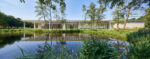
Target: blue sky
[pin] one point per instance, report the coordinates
(26, 11)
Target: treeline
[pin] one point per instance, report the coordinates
(7, 21)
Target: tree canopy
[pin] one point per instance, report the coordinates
(147, 18)
(10, 21)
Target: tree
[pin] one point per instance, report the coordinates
(100, 13)
(44, 9)
(50, 6)
(22, 1)
(8, 21)
(128, 5)
(117, 15)
(147, 18)
(3, 24)
(62, 8)
(91, 12)
(84, 11)
(41, 10)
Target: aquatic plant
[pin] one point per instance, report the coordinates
(49, 52)
(94, 48)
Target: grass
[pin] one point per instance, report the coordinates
(39, 30)
(118, 34)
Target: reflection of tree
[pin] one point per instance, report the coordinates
(63, 42)
(6, 39)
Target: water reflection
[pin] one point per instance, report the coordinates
(58, 37)
(32, 42)
(8, 39)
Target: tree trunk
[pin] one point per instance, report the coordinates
(50, 18)
(56, 18)
(118, 21)
(44, 16)
(124, 27)
(118, 26)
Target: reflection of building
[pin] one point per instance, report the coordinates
(73, 24)
(58, 37)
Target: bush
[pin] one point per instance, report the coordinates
(139, 44)
(140, 49)
(94, 48)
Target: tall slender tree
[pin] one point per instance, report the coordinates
(62, 8)
(128, 5)
(41, 11)
(50, 7)
(91, 12)
(84, 11)
(100, 13)
(118, 15)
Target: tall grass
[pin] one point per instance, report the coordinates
(48, 52)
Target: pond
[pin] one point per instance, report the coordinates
(11, 43)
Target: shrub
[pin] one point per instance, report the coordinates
(139, 44)
(94, 48)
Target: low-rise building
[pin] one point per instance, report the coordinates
(131, 25)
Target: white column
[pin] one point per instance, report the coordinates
(110, 26)
(34, 24)
(64, 26)
(49, 25)
(79, 26)
(24, 25)
(24, 35)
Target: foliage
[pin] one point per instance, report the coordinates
(135, 36)
(147, 18)
(94, 48)
(128, 6)
(91, 11)
(100, 13)
(140, 49)
(95, 14)
(118, 34)
(84, 11)
(44, 9)
(48, 52)
(39, 31)
(139, 44)
(7, 21)
(118, 15)
(3, 23)
(41, 10)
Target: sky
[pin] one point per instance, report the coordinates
(26, 11)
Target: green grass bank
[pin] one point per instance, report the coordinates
(118, 34)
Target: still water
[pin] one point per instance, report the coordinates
(10, 43)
